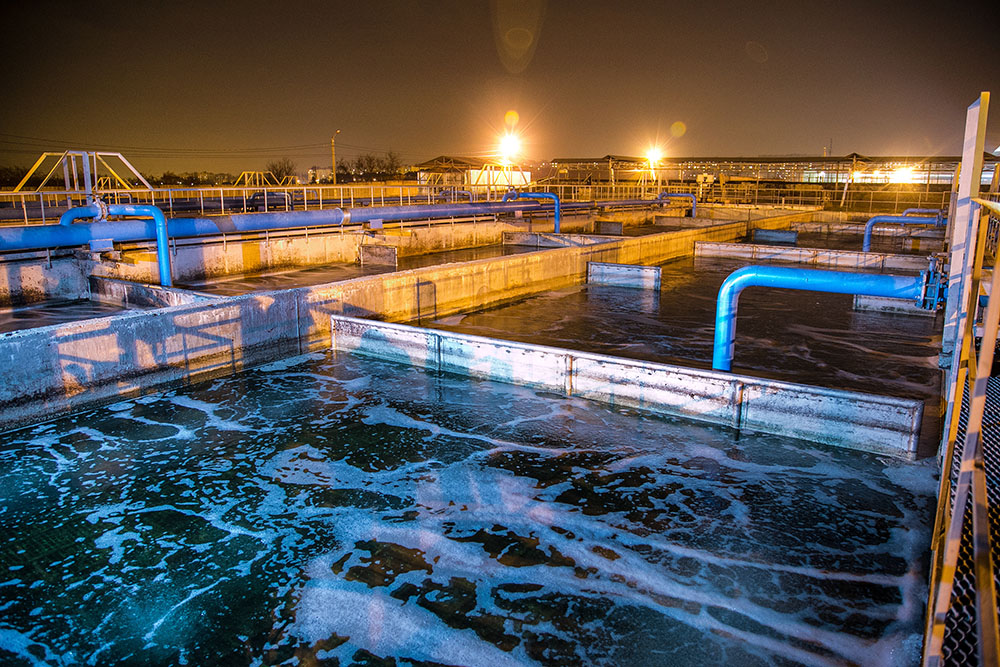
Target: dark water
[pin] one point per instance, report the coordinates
(333, 511)
(808, 337)
(329, 273)
(53, 312)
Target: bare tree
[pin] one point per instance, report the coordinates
(282, 169)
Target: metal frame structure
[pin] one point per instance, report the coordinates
(89, 163)
(963, 504)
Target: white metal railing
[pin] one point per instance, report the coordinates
(46, 206)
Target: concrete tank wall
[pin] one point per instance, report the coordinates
(63, 366)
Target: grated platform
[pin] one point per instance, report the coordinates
(960, 641)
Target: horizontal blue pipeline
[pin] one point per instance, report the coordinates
(814, 280)
(866, 245)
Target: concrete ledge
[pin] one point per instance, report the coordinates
(845, 259)
(378, 255)
(829, 416)
(67, 366)
(774, 236)
(543, 240)
(125, 293)
(609, 227)
(623, 275)
(676, 222)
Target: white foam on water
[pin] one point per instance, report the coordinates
(383, 625)
(290, 362)
(209, 410)
(115, 539)
(18, 643)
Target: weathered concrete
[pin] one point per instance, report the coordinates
(833, 417)
(844, 259)
(34, 277)
(787, 236)
(67, 365)
(534, 240)
(676, 222)
(379, 255)
(609, 227)
(623, 275)
(124, 293)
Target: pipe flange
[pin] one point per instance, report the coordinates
(102, 214)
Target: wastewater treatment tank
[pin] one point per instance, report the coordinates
(332, 507)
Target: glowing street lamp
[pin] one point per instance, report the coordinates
(510, 147)
(654, 155)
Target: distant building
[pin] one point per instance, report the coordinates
(922, 170)
(449, 170)
(317, 174)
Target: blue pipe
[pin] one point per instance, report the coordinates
(866, 245)
(686, 195)
(99, 211)
(36, 237)
(814, 280)
(514, 194)
(935, 211)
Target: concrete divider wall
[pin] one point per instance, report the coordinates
(124, 293)
(840, 418)
(624, 275)
(847, 259)
(34, 278)
(63, 366)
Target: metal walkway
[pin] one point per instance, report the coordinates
(962, 615)
(961, 637)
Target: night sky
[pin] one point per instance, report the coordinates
(227, 86)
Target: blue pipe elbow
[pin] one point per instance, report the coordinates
(686, 195)
(514, 194)
(115, 229)
(162, 240)
(866, 245)
(814, 280)
(932, 211)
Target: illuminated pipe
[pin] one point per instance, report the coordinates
(935, 211)
(36, 237)
(39, 237)
(514, 194)
(866, 245)
(101, 211)
(813, 280)
(686, 195)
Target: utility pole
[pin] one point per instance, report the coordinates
(333, 156)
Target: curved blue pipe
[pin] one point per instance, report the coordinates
(134, 210)
(514, 194)
(36, 237)
(814, 280)
(162, 240)
(686, 195)
(934, 211)
(866, 245)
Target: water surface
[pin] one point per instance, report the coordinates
(329, 508)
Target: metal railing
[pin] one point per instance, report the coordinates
(46, 206)
(963, 503)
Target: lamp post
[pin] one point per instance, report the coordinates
(333, 156)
